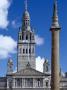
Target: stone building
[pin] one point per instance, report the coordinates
(27, 77)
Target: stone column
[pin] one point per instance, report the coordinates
(13, 82)
(44, 82)
(33, 82)
(24, 83)
(55, 60)
(7, 83)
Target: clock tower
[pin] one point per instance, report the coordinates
(26, 43)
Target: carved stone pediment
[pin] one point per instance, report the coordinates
(29, 72)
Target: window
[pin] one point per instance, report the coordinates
(47, 84)
(18, 82)
(26, 37)
(20, 37)
(29, 82)
(30, 36)
(38, 82)
(23, 51)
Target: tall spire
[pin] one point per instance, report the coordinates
(26, 19)
(26, 5)
(55, 23)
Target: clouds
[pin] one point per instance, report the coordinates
(7, 46)
(15, 24)
(4, 6)
(39, 40)
(39, 63)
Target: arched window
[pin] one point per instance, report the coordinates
(30, 36)
(23, 51)
(23, 34)
(20, 37)
(26, 37)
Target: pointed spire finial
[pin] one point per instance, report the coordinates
(26, 5)
(55, 23)
(55, 9)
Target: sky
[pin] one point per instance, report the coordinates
(11, 12)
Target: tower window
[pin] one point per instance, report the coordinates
(23, 50)
(30, 36)
(26, 37)
(20, 37)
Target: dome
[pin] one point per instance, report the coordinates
(26, 15)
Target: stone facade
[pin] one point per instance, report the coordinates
(30, 79)
(26, 49)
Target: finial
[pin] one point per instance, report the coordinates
(55, 23)
(26, 5)
(55, 9)
(28, 65)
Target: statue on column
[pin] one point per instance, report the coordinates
(9, 66)
(9, 73)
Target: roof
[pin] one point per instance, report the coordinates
(28, 72)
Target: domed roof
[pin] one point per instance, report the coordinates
(26, 15)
